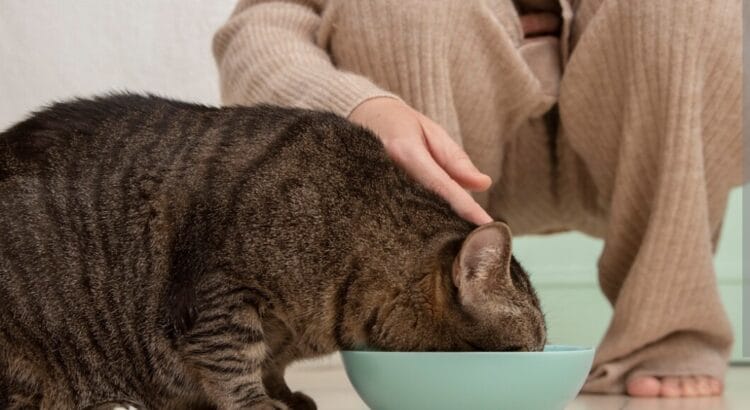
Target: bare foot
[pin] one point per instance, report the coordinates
(674, 386)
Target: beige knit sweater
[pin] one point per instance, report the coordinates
(276, 52)
(648, 145)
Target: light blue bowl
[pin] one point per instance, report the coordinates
(546, 380)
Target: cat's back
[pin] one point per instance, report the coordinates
(79, 220)
(98, 196)
(80, 131)
(76, 168)
(93, 202)
(102, 177)
(98, 187)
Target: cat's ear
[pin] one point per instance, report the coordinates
(483, 261)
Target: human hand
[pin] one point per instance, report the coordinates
(425, 151)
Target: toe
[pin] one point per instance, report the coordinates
(670, 387)
(674, 386)
(702, 386)
(644, 386)
(716, 386)
(689, 386)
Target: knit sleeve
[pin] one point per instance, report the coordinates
(267, 53)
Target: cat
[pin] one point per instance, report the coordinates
(175, 255)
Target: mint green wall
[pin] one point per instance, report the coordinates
(563, 269)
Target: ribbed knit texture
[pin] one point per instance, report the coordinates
(648, 147)
(651, 102)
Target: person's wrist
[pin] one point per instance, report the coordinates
(356, 113)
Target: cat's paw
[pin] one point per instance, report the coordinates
(301, 401)
(269, 405)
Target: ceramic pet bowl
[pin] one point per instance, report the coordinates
(546, 380)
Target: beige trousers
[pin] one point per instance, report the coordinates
(643, 153)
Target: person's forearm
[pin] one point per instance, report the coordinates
(266, 53)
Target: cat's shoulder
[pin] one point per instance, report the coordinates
(328, 128)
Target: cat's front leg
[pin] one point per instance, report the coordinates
(273, 379)
(226, 348)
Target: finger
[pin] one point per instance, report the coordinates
(540, 24)
(420, 165)
(454, 160)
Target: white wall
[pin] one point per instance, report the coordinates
(53, 49)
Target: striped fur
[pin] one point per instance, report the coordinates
(180, 256)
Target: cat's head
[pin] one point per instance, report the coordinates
(475, 296)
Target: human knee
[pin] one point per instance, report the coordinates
(397, 19)
(704, 18)
(654, 33)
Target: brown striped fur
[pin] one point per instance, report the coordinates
(181, 256)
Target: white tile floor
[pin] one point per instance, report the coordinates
(326, 382)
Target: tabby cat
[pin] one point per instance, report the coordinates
(174, 255)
